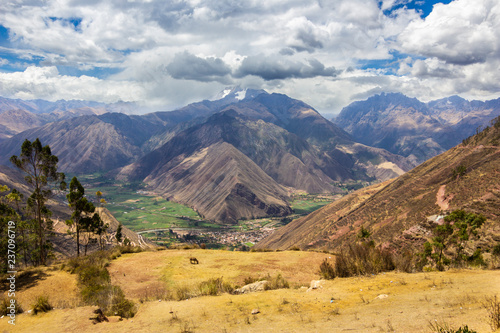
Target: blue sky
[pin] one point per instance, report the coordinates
(165, 54)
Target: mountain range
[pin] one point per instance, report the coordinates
(240, 156)
(17, 115)
(243, 154)
(410, 128)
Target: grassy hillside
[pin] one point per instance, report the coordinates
(391, 302)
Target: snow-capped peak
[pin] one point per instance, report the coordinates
(236, 94)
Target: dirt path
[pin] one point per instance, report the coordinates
(441, 199)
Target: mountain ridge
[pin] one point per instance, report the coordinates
(397, 212)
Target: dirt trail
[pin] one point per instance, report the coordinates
(441, 199)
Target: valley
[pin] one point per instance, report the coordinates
(168, 223)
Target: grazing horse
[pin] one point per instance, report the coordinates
(193, 260)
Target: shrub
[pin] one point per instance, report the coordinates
(496, 250)
(4, 306)
(361, 259)
(41, 305)
(404, 262)
(278, 282)
(476, 259)
(120, 306)
(214, 287)
(95, 285)
(251, 279)
(445, 328)
(326, 270)
(492, 305)
(183, 292)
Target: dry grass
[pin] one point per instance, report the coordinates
(173, 268)
(59, 285)
(455, 298)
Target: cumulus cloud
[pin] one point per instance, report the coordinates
(170, 53)
(190, 67)
(277, 68)
(463, 32)
(47, 83)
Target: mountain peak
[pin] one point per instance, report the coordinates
(238, 94)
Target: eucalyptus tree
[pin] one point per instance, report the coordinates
(40, 168)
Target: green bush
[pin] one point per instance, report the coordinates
(95, 285)
(362, 259)
(41, 305)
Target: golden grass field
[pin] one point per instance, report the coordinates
(409, 302)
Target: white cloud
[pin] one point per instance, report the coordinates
(462, 32)
(47, 83)
(170, 53)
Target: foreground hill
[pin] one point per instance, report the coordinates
(390, 302)
(396, 212)
(408, 127)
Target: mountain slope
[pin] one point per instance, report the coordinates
(87, 144)
(228, 149)
(396, 212)
(408, 127)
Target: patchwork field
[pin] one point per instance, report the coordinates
(390, 302)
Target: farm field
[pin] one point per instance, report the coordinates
(390, 302)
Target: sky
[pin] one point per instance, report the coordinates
(328, 53)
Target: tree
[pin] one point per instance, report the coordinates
(100, 199)
(40, 167)
(81, 218)
(8, 244)
(22, 227)
(119, 234)
(100, 230)
(457, 229)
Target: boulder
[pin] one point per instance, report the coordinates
(252, 287)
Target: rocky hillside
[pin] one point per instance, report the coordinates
(398, 212)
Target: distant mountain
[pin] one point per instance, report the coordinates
(17, 115)
(229, 168)
(408, 127)
(88, 144)
(398, 211)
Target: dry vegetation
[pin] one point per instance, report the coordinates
(386, 302)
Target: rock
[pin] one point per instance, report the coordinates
(315, 284)
(252, 287)
(382, 296)
(255, 311)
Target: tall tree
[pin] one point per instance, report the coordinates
(119, 234)
(81, 218)
(8, 244)
(40, 167)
